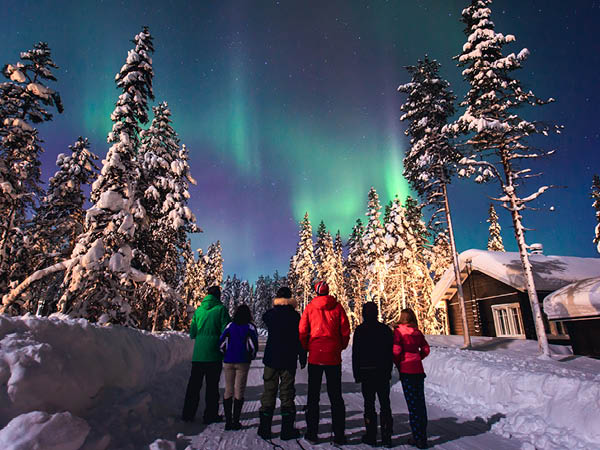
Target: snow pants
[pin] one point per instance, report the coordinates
(376, 385)
(282, 380)
(201, 370)
(333, 375)
(236, 377)
(413, 386)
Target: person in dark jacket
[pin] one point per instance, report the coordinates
(239, 345)
(410, 348)
(372, 364)
(324, 333)
(209, 321)
(281, 356)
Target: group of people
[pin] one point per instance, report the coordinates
(317, 338)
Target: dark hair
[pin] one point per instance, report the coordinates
(242, 315)
(215, 291)
(284, 292)
(369, 311)
(408, 317)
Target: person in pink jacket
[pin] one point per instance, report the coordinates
(410, 347)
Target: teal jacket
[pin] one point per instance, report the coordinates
(209, 321)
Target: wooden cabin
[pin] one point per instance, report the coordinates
(577, 306)
(496, 299)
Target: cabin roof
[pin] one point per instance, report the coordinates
(549, 272)
(579, 299)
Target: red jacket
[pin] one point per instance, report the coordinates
(324, 331)
(410, 347)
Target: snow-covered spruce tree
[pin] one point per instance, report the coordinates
(595, 195)
(25, 99)
(230, 296)
(194, 286)
(161, 243)
(429, 163)
(495, 240)
(303, 264)
(262, 299)
(374, 244)
(213, 265)
(340, 270)
(496, 130)
(356, 274)
(58, 220)
(246, 293)
(99, 281)
(326, 260)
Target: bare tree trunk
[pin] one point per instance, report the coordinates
(461, 296)
(528, 272)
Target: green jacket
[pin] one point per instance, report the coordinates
(209, 321)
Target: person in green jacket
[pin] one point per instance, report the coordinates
(209, 321)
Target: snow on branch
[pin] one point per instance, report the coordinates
(9, 298)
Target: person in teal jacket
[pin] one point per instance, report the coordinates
(209, 321)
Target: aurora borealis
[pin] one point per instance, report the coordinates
(291, 106)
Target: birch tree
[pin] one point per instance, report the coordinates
(497, 131)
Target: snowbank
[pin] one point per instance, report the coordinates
(54, 365)
(551, 404)
(40, 430)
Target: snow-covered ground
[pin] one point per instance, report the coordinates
(67, 384)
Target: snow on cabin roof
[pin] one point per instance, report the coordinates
(549, 272)
(579, 299)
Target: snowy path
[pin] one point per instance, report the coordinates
(446, 431)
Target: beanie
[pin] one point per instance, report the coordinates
(284, 292)
(321, 288)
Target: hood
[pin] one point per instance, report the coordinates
(209, 302)
(327, 302)
(281, 301)
(406, 329)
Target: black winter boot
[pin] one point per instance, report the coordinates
(387, 426)
(237, 411)
(370, 436)
(288, 431)
(264, 428)
(228, 410)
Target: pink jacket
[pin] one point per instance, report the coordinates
(410, 347)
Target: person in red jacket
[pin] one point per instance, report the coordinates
(410, 347)
(324, 332)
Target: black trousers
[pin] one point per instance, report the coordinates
(201, 370)
(373, 385)
(333, 375)
(413, 386)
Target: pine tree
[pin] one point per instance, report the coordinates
(495, 240)
(262, 299)
(497, 131)
(356, 274)
(374, 244)
(163, 190)
(24, 100)
(325, 260)
(596, 197)
(59, 218)
(214, 265)
(429, 163)
(340, 270)
(302, 265)
(195, 283)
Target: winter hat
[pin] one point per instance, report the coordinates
(369, 311)
(284, 292)
(215, 291)
(321, 288)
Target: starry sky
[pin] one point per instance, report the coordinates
(290, 106)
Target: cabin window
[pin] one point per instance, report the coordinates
(508, 320)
